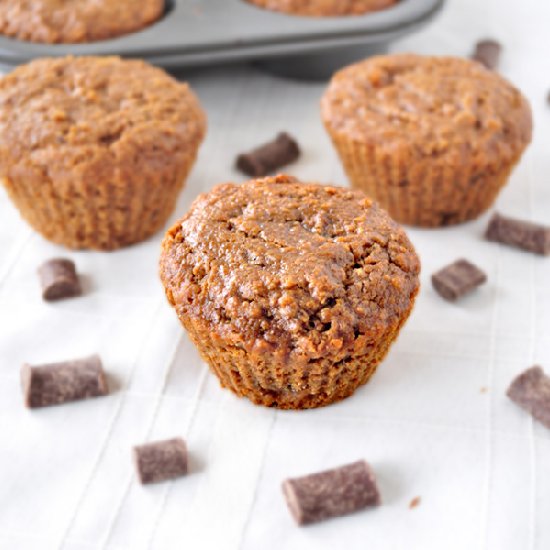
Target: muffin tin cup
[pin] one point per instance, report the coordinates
(320, 66)
(422, 193)
(207, 32)
(82, 216)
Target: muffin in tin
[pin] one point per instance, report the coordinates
(432, 139)
(324, 8)
(72, 21)
(292, 292)
(94, 151)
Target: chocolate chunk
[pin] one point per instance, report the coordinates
(531, 391)
(161, 460)
(59, 279)
(487, 52)
(458, 279)
(520, 234)
(333, 493)
(269, 157)
(57, 383)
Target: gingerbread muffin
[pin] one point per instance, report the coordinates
(324, 8)
(72, 21)
(292, 292)
(432, 139)
(94, 151)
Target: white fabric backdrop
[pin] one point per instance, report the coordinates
(479, 464)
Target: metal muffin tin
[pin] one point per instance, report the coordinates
(207, 32)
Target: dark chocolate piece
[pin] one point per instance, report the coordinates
(59, 279)
(531, 391)
(269, 157)
(57, 383)
(333, 493)
(520, 234)
(161, 460)
(488, 52)
(458, 279)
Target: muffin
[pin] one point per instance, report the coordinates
(432, 139)
(324, 8)
(292, 292)
(94, 151)
(71, 21)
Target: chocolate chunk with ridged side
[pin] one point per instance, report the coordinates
(269, 157)
(487, 52)
(56, 383)
(333, 493)
(160, 460)
(531, 391)
(458, 279)
(59, 279)
(529, 236)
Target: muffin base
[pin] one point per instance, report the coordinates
(424, 193)
(267, 380)
(112, 215)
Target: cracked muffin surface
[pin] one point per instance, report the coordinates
(93, 151)
(292, 292)
(324, 8)
(74, 21)
(439, 105)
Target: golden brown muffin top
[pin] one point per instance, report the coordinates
(277, 261)
(72, 21)
(324, 8)
(64, 112)
(434, 105)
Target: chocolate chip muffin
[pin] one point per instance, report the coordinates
(292, 292)
(72, 21)
(94, 151)
(432, 139)
(324, 8)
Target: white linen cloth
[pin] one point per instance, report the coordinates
(479, 463)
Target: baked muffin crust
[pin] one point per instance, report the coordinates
(324, 8)
(58, 111)
(72, 21)
(433, 106)
(297, 277)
